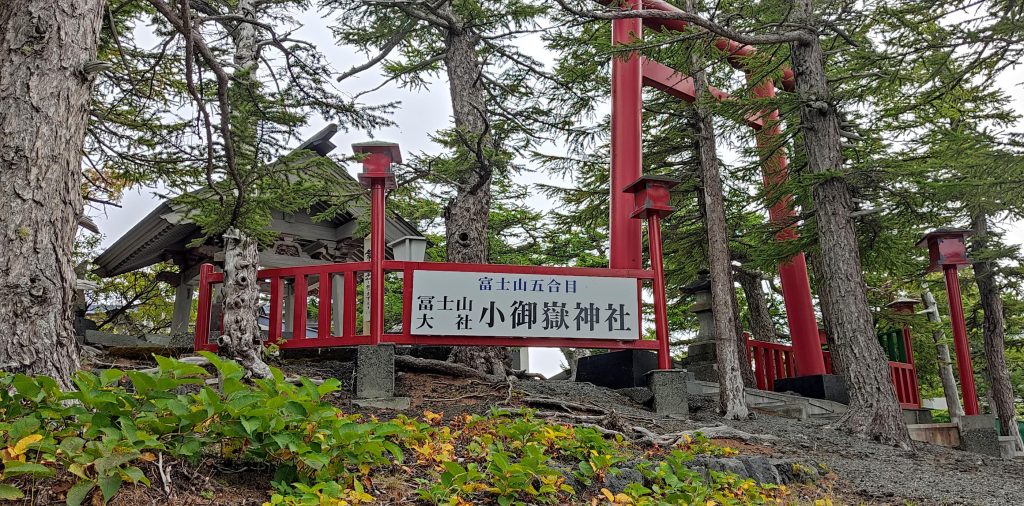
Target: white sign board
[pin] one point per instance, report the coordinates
(524, 305)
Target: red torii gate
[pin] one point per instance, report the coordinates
(629, 75)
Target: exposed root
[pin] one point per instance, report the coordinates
(565, 405)
(427, 365)
(714, 432)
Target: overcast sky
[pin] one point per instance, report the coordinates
(420, 113)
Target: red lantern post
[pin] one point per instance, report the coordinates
(947, 250)
(378, 177)
(652, 200)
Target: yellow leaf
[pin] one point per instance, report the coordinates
(710, 503)
(22, 445)
(148, 457)
(432, 418)
(608, 495)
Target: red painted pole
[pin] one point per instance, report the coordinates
(377, 262)
(660, 307)
(963, 351)
(796, 287)
(624, 232)
(202, 340)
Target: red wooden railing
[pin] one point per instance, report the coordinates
(773, 361)
(300, 277)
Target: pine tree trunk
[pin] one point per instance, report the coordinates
(241, 339)
(746, 368)
(942, 355)
(761, 324)
(466, 214)
(44, 106)
(874, 410)
(241, 290)
(731, 389)
(994, 325)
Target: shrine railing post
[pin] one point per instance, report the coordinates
(947, 251)
(652, 201)
(378, 177)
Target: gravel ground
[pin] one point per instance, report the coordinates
(871, 472)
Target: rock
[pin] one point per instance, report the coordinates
(760, 469)
(728, 465)
(617, 479)
(791, 471)
(639, 395)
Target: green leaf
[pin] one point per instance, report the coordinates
(24, 427)
(79, 492)
(27, 387)
(71, 445)
(109, 485)
(136, 475)
(10, 492)
(15, 468)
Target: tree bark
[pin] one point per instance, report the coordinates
(746, 368)
(942, 354)
(874, 410)
(466, 214)
(241, 290)
(45, 87)
(241, 298)
(730, 378)
(761, 324)
(994, 326)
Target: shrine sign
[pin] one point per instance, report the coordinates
(492, 304)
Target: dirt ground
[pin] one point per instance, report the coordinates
(863, 472)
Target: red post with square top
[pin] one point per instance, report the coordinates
(652, 200)
(947, 250)
(378, 177)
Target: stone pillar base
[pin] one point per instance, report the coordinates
(669, 389)
(978, 435)
(375, 372)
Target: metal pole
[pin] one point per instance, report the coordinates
(377, 262)
(796, 287)
(963, 351)
(660, 309)
(626, 158)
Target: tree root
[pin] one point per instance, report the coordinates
(714, 432)
(432, 366)
(565, 405)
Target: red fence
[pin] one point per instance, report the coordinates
(773, 361)
(318, 278)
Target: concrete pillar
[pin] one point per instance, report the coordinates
(289, 310)
(338, 304)
(182, 309)
(375, 378)
(978, 434)
(669, 389)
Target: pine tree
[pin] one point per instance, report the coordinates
(243, 126)
(48, 63)
(490, 85)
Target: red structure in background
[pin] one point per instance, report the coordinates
(775, 361)
(628, 74)
(947, 251)
(650, 200)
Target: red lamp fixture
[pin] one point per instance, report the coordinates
(651, 196)
(946, 246)
(377, 162)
